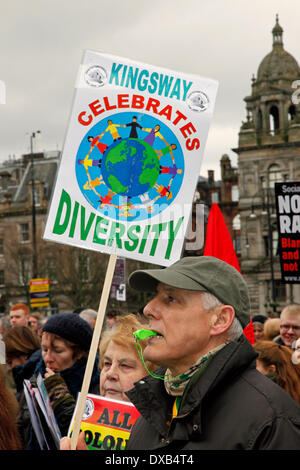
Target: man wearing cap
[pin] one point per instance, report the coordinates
(207, 393)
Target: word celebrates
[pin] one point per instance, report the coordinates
(288, 218)
(138, 102)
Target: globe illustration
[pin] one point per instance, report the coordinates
(130, 167)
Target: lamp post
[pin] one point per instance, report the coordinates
(270, 238)
(34, 257)
(267, 210)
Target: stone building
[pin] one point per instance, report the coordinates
(17, 221)
(268, 152)
(76, 275)
(225, 193)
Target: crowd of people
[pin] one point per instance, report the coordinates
(196, 381)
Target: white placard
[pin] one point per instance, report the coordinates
(131, 159)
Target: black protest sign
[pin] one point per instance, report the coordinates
(288, 218)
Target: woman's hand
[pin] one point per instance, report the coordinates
(65, 443)
(48, 373)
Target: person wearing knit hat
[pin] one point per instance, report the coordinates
(65, 344)
(66, 341)
(71, 327)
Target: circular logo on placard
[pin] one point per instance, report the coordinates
(88, 409)
(95, 76)
(197, 101)
(130, 167)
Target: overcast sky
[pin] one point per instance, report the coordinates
(42, 43)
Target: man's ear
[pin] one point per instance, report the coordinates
(222, 320)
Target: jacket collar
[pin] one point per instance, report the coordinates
(233, 359)
(152, 401)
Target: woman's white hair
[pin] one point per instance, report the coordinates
(210, 302)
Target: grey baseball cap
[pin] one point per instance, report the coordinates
(200, 273)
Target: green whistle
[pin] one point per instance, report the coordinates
(143, 334)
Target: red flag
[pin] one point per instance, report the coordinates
(218, 240)
(218, 243)
(249, 332)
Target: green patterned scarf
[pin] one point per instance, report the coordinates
(175, 385)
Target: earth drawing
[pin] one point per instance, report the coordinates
(130, 166)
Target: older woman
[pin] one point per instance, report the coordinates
(119, 361)
(120, 364)
(65, 344)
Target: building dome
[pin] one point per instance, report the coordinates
(278, 63)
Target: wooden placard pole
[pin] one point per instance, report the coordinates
(93, 349)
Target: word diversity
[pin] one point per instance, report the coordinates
(71, 217)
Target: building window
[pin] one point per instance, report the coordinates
(280, 291)
(236, 227)
(2, 279)
(24, 270)
(24, 232)
(274, 243)
(236, 222)
(259, 121)
(51, 269)
(274, 175)
(274, 120)
(279, 288)
(291, 112)
(235, 193)
(215, 197)
(237, 243)
(37, 196)
(83, 267)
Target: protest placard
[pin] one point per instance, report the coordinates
(129, 168)
(118, 287)
(41, 414)
(107, 423)
(39, 290)
(131, 159)
(288, 220)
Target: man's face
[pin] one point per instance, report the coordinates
(183, 326)
(18, 318)
(289, 328)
